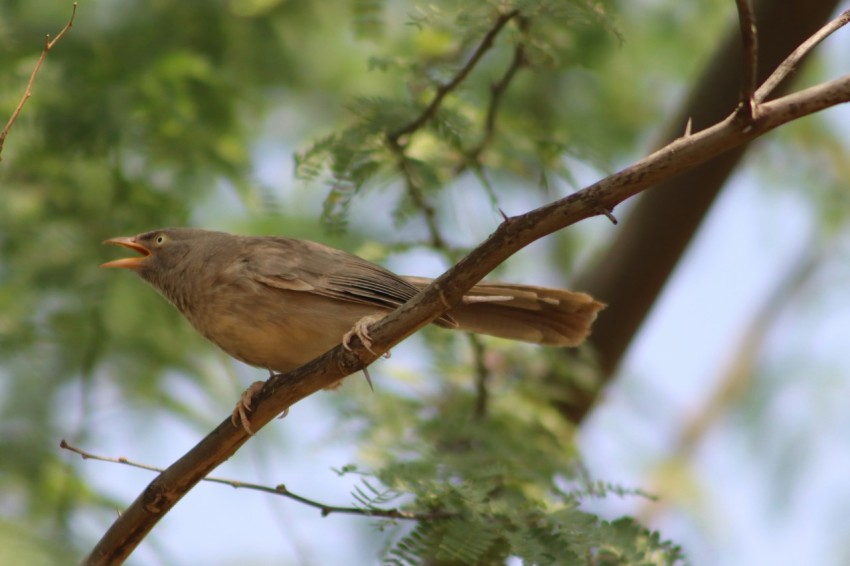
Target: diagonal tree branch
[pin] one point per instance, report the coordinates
(282, 391)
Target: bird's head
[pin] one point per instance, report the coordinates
(172, 259)
(159, 250)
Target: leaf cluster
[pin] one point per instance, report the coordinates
(488, 487)
(460, 113)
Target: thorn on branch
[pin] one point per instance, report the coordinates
(369, 377)
(609, 214)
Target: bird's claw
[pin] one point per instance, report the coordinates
(243, 406)
(361, 331)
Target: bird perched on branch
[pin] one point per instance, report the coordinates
(277, 303)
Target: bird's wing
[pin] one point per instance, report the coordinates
(301, 265)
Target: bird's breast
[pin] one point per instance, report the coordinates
(273, 328)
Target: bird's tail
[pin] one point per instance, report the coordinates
(552, 317)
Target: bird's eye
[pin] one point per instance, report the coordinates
(160, 239)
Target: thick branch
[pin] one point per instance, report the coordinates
(282, 391)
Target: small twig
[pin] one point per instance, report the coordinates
(281, 490)
(749, 39)
(416, 195)
(481, 175)
(414, 190)
(790, 63)
(482, 376)
(497, 91)
(48, 45)
(446, 88)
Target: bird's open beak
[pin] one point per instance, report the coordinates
(127, 262)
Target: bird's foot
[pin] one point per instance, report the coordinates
(243, 407)
(361, 330)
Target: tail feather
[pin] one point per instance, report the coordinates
(540, 315)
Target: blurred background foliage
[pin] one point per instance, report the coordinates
(271, 116)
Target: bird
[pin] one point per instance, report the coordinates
(276, 303)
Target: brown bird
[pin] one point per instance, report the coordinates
(277, 303)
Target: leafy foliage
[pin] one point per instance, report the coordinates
(458, 134)
(490, 486)
(566, 536)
